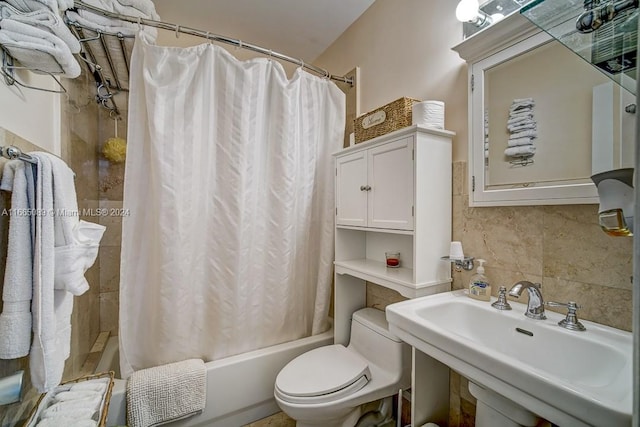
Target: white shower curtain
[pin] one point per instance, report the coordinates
(228, 246)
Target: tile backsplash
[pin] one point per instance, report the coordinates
(561, 247)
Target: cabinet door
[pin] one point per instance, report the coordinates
(390, 176)
(351, 194)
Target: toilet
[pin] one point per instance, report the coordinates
(494, 410)
(327, 386)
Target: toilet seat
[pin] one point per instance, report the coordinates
(322, 375)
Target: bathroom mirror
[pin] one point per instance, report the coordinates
(571, 122)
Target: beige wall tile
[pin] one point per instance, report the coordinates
(575, 248)
(600, 304)
(506, 237)
(380, 297)
(109, 268)
(109, 312)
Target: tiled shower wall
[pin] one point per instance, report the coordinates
(561, 247)
(111, 185)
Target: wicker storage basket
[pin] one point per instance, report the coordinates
(393, 116)
(45, 399)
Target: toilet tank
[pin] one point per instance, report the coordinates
(371, 338)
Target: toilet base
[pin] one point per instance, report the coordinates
(348, 420)
(493, 410)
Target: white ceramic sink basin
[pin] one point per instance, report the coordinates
(568, 377)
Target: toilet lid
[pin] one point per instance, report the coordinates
(328, 370)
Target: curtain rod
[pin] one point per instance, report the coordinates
(215, 37)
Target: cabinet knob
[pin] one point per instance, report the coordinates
(363, 188)
(368, 188)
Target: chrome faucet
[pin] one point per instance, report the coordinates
(535, 308)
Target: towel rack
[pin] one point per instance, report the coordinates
(522, 161)
(7, 69)
(12, 152)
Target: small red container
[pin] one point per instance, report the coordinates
(393, 259)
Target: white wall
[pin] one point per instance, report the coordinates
(403, 48)
(31, 114)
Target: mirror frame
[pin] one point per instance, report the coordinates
(516, 35)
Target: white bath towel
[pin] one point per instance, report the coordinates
(137, 8)
(77, 413)
(15, 320)
(53, 300)
(522, 150)
(166, 393)
(35, 5)
(43, 19)
(37, 49)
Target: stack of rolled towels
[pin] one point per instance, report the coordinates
(34, 34)
(74, 404)
(522, 129)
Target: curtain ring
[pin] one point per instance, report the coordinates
(207, 36)
(177, 31)
(327, 75)
(139, 24)
(239, 44)
(302, 64)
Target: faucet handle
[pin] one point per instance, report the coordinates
(502, 303)
(571, 322)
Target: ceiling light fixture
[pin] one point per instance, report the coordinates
(469, 11)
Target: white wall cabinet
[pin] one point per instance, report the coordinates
(375, 186)
(514, 59)
(393, 193)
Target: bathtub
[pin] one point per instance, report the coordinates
(239, 388)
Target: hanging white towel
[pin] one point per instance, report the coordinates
(37, 49)
(166, 393)
(523, 150)
(15, 320)
(43, 19)
(53, 291)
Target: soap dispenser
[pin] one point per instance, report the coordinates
(479, 287)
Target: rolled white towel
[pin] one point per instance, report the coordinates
(522, 150)
(66, 396)
(76, 413)
(516, 142)
(35, 5)
(518, 128)
(521, 103)
(98, 385)
(43, 19)
(65, 422)
(529, 133)
(137, 8)
(62, 408)
(525, 112)
(520, 119)
(37, 49)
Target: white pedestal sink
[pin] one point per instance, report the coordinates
(567, 377)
